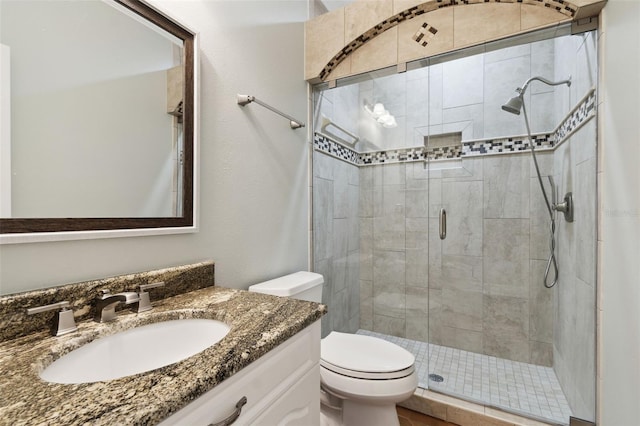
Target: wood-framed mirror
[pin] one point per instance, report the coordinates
(100, 135)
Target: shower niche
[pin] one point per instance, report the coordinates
(401, 149)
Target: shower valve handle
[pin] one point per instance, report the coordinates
(566, 207)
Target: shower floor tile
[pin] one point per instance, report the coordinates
(515, 386)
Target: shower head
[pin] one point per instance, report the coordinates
(513, 105)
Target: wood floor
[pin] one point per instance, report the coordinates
(413, 418)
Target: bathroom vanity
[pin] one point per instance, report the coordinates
(270, 357)
(280, 388)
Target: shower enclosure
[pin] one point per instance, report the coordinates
(431, 230)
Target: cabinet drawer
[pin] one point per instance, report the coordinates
(262, 382)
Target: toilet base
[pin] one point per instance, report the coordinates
(350, 401)
(358, 413)
(330, 416)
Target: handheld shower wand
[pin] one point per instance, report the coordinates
(514, 105)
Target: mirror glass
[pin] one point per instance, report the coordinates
(96, 116)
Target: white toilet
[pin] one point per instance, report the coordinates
(362, 377)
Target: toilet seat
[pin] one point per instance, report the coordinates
(365, 357)
(368, 391)
(366, 375)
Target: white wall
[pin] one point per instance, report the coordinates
(619, 233)
(5, 131)
(253, 167)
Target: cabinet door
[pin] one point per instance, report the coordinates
(299, 406)
(262, 383)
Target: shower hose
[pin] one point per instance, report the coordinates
(551, 262)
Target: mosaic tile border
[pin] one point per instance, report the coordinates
(579, 115)
(561, 6)
(584, 110)
(393, 156)
(335, 149)
(475, 148)
(542, 141)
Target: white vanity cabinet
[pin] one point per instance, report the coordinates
(281, 388)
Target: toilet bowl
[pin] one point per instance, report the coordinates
(361, 377)
(369, 375)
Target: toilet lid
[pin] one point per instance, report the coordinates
(364, 356)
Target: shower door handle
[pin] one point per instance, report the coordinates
(443, 224)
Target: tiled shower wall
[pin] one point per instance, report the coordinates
(463, 95)
(486, 293)
(575, 295)
(481, 288)
(336, 241)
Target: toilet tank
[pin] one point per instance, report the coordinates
(299, 285)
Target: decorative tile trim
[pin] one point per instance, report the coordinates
(511, 145)
(392, 156)
(577, 117)
(444, 153)
(424, 34)
(475, 148)
(335, 149)
(371, 33)
(564, 7)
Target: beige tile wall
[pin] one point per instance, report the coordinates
(458, 26)
(375, 55)
(442, 20)
(324, 37)
(476, 23)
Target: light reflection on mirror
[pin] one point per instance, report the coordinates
(121, 157)
(91, 133)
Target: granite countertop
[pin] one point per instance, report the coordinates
(258, 323)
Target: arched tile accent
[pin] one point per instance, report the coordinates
(563, 7)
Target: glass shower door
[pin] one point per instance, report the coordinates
(456, 227)
(455, 274)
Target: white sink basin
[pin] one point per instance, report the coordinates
(136, 350)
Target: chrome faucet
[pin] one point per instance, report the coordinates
(106, 304)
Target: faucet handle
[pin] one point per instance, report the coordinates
(144, 287)
(145, 302)
(63, 322)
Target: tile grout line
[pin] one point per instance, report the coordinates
(515, 382)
